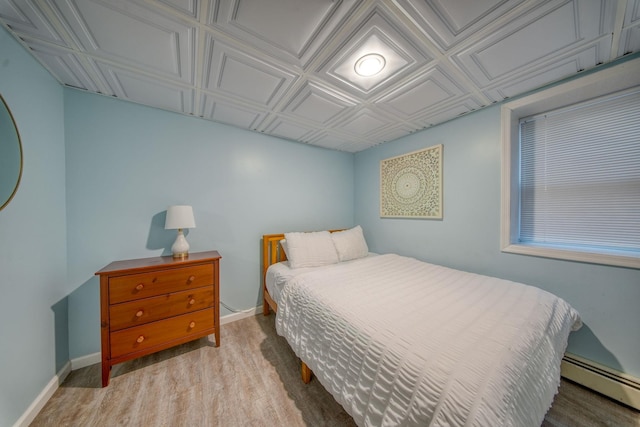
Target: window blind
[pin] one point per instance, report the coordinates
(580, 175)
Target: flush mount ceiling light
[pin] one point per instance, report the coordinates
(370, 64)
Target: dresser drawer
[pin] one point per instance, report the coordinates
(161, 332)
(137, 286)
(139, 312)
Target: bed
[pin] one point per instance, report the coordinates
(401, 342)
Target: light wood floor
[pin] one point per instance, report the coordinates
(252, 379)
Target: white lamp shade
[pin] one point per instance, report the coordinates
(179, 216)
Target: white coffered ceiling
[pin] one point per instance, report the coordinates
(286, 67)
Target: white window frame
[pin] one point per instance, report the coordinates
(612, 79)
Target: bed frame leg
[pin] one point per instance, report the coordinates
(306, 373)
(265, 308)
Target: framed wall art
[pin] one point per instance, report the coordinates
(411, 185)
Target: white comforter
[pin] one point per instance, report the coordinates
(399, 342)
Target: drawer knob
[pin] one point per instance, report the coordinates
(191, 279)
(192, 325)
(139, 287)
(139, 313)
(140, 339)
(192, 301)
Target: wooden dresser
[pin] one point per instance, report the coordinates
(150, 304)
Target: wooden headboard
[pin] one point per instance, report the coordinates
(272, 253)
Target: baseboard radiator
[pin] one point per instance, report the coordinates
(617, 385)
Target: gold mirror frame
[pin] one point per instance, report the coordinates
(19, 141)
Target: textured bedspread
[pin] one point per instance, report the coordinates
(399, 342)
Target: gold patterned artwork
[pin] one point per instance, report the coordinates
(411, 185)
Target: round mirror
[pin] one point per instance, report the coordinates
(10, 155)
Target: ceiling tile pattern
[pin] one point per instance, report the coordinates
(286, 67)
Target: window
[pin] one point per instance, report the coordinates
(571, 170)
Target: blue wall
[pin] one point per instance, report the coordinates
(468, 237)
(126, 163)
(33, 261)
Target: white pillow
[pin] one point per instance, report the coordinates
(283, 244)
(350, 244)
(310, 249)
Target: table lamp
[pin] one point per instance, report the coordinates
(179, 217)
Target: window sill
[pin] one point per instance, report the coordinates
(613, 259)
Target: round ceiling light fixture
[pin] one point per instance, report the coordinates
(370, 64)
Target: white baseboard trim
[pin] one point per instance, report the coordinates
(91, 359)
(36, 406)
(614, 384)
(84, 361)
(240, 315)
